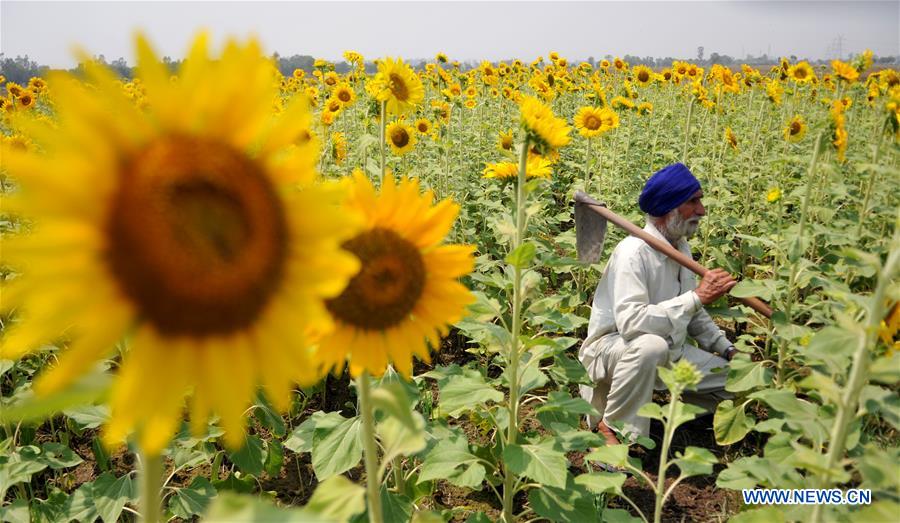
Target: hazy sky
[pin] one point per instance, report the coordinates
(46, 31)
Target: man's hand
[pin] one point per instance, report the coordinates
(715, 283)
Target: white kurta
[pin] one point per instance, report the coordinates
(643, 292)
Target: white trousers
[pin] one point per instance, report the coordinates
(624, 375)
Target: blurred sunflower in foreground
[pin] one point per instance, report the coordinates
(407, 291)
(181, 230)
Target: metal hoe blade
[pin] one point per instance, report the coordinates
(590, 232)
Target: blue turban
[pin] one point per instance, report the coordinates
(668, 188)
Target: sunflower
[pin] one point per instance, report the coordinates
(338, 147)
(179, 228)
(331, 79)
(801, 73)
(731, 138)
(589, 121)
(399, 86)
(773, 195)
(333, 105)
(312, 94)
(544, 129)
(400, 137)
(441, 110)
(844, 71)
(774, 91)
(839, 141)
(620, 64)
(37, 85)
(17, 141)
(621, 101)
(26, 99)
(537, 166)
(441, 58)
(344, 94)
(471, 103)
(542, 88)
(642, 74)
(407, 291)
(354, 58)
(488, 73)
(729, 83)
(14, 89)
(423, 126)
(795, 130)
(645, 108)
(694, 72)
(505, 141)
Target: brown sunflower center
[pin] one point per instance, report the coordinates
(399, 137)
(800, 73)
(423, 127)
(398, 87)
(592, 122)
(795, 128)
(386, 289)
(344, 96)
(643, 76)
(197, 237)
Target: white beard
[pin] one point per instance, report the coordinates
(675, 227)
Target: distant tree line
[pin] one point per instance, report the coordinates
(21, 68)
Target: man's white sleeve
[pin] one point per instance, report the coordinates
(707, 334)
(636, 316)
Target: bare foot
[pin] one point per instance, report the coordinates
(607, 433)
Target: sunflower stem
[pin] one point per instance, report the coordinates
(873, 174)
(587, 166)
(370, 447)
(859, 370)
(150, 481)
(794, 256)
(687, 131)
(382, 131)
(513, 359)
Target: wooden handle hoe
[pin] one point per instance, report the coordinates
(586, 202)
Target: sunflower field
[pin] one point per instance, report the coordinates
(231, 294)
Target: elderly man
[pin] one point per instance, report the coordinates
(645, 307)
